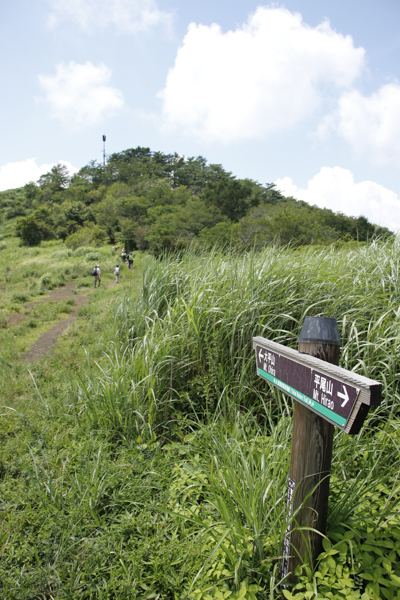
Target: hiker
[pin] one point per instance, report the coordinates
(123, 254)
(96, 274)
(130, 260)
(116, 273)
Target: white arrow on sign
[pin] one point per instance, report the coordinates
(345, 396)
(260, 354)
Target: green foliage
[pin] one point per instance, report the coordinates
(36, 227)
(164, 202)
(355, 566)
(146, 459)
(87, 236)
(233, 197)
(57, 179)
(61, 254)
(15, 203)
(224, 235)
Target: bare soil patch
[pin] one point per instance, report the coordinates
(53, 295)
(46, 343)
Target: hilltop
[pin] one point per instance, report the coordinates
(153, 201)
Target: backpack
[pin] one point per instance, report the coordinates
(94, 272)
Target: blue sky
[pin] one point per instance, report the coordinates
(303, 93)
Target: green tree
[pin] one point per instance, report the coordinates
(224, 234)
(57, 179)
(30, 190)
(35, 227)
(233, 197)
(92, 235)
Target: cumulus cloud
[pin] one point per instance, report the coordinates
(78, 94)
(125, 15)
(17, 174)
(336, 189)
(370, 124)
(267, 75)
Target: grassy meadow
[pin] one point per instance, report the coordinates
(144, 459)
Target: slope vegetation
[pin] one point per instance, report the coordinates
(152, 201)
(145, 459)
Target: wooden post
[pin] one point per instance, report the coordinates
(311, 454)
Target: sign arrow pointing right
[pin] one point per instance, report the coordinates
(345, 396)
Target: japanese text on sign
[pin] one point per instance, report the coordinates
(329, 397)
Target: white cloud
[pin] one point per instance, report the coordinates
(17, 174)
(78, 94)
(371, 124)
(336, 189)
(125, 15)
(268, 75)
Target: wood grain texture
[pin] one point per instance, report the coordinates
(310, 467)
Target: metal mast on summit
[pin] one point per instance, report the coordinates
(104, 150)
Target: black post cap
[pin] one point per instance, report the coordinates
(320, 330)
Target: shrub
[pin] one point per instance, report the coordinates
(4, 321)
(95, 236)
(36, 227)
(83, 311)
(49, 243)
(82, 283)
(61, 254)
(60, 281)
(19, 297)
(31, 323)
(82, 251)
(90, 256)
(45, 281)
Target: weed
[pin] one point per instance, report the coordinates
(20, 297)
(32, 323)
(80, 283)
(45, 281)
(91, 256)
(83, 311)
(4, 321)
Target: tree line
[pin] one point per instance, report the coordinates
(164, 202)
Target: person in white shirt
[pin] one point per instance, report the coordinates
(116, 273)
(97, 276)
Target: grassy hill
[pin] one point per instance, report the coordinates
(158, 202)
(143, 458)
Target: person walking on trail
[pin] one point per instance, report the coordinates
(130, 260)
(123, 254)
(116, 273)
(96, 274)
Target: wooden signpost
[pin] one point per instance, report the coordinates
(327, 396)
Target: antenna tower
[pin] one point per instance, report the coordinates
(104, 150)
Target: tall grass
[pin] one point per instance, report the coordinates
(174, 481)
(185, 352)
(193, 326)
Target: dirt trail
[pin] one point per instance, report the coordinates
(46, 343)
(53, 295)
